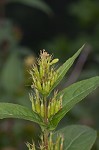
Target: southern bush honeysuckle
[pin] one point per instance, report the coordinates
(48, 109)
(43, 73)
(44, 76)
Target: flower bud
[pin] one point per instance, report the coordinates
(52, 145)
(61, 144)
(43, 86)
(57, 107)
(38, 85)
(42, 109)
(41, 71)
(48, 86)
(32, 100)
(52, 108)
(37, 107)
(54, 61)
(33, 106)
(49, 114)
(31, 146)
(35, 69)
(52, 81)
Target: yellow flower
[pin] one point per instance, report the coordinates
(44, 74)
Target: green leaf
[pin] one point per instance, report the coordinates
(12, 77)
(78, 137)
(66, 66)
(72, 95)
(39, 4)
(9, 110)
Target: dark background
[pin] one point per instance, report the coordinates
(61, 27)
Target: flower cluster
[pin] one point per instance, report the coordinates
(37, 103)
(44, 74)
(44, 77)
(57, 145)
(54, 104)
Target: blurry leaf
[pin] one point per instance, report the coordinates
(9, 110)
(72, 95)
(77, 137)
(85, 10)
(66, 66)
(6, 34)
(97, 142)
(12, 74)
(34, 3)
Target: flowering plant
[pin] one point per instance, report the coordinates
(49, 106)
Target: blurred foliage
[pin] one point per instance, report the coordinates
(14, 60)
(86, 11)
(34, 3)
(25, 28)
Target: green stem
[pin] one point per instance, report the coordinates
(46, 122)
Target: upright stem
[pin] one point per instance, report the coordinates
(46, 121)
